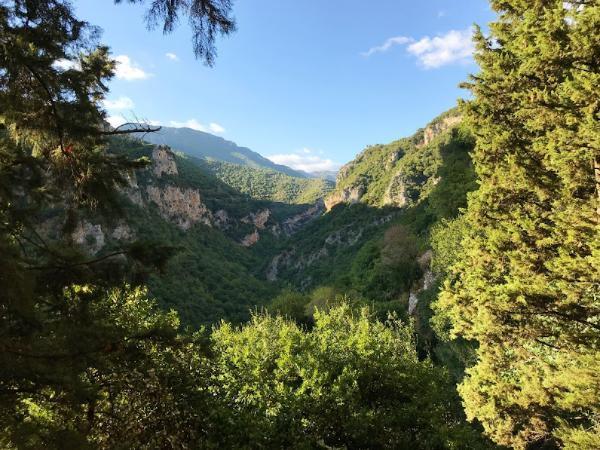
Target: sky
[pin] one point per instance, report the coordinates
(306, 83)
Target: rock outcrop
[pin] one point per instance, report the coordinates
(424, 283)
(436, 128)
(89, 236)
(294, 223)
(395, 194)
(183, 207)
(250, 239)
(350, 195)
(163, 161)
(259, 219)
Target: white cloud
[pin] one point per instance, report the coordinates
(195, 125)
(172, 56)
(455, 46)
(388, 44)
(120, 103)
(192, 123)
(305, 160)
(128, 70)
(66, 64)
(216, 128)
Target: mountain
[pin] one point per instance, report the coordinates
(403, 172)
(210, 226)
(329, 175)
(267, 184)
(373, 243)
(208, 146)
(245, 233)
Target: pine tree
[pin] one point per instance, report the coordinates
(77, 343)
(527, 286)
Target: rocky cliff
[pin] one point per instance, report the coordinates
(394, 174)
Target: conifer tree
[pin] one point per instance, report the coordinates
(77, 343)
(527, 286)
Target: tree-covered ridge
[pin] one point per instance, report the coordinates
(195, 174)
(267, 184)
(378, 255)
(402, 172)
(210, 276)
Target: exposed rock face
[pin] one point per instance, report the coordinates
(163, 161)
(344, 171)
(122, 232)
(258, 219)
(351, 195)
(413, 301)
(344, 237)
(395, 194)
(132, 190)
(282, 260)
(435, 129)
(250, 239)
(183, 207)
(393, 158)
(294, 223)
(221, 219)
(89, 236)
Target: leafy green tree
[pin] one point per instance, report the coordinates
(292, 305)
(104, 369)
(351, 381)
(526, 287)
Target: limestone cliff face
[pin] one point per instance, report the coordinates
(93, 237)
(183, 207)
(395, 194)
(163, 161)
(259, 219)
(132, 190)
(424, 283)
(294, 223)
(344, 172)
(436, 128)
(250, 239)
(349, 195)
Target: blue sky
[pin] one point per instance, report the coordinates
(308, 83)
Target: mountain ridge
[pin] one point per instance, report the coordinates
(208, 146)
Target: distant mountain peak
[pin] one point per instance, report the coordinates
(205, 145)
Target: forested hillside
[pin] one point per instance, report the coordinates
(211, 274)
(444, 294)
(267, 184)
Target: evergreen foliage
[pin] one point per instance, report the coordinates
(526, 284)
(350, 381)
